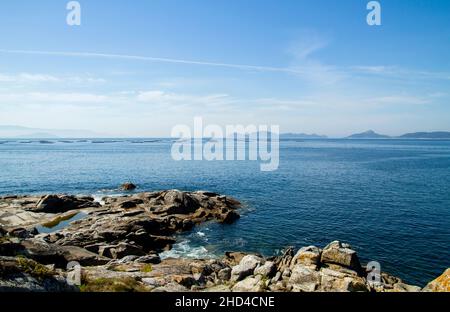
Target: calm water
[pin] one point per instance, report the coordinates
(389, 199)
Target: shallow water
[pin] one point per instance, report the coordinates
(390, 199)
(62, 224)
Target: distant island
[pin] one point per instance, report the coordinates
(370, 134)
(20, 132)
(427, 135)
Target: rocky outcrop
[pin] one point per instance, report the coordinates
(21, 274)
(440, 284)
(303, 271)
(63, 203)
(132, 228)
(118, 242)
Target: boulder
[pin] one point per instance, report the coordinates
(440, 284)
(304, 279)
(341, 254)
(245, 267)
(179, 202)
(250, 284)
(336, 281)
(128, 186)
(307, 256)
(268, 269)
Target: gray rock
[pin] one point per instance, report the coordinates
(250, 284)
(120, 250)
(245, 267)
(153, 259)
(268, 269)
(304, 278)
(128, 259)
(309, 256)
(171, 287)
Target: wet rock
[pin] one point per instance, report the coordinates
(229, 217)
(128, 186)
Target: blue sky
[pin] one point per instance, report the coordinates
(139, 68)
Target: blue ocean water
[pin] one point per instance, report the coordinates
(390, 199)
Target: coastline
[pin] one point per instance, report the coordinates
(117, 244)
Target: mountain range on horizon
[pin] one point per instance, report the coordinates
(370, 134)
(21, 132)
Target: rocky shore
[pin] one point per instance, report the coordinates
(117, 243)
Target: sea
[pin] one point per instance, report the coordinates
(389, 199)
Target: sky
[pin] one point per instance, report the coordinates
(139, 68)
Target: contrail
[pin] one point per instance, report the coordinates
(153, 59)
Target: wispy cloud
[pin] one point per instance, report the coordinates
(155, 59)
(399, 72)
(302, 64)
(399, 99)
(54, 98)
(46, 78)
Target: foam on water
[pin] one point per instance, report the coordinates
(184, 249)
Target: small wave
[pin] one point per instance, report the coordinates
(185, 250)
(201, 234)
